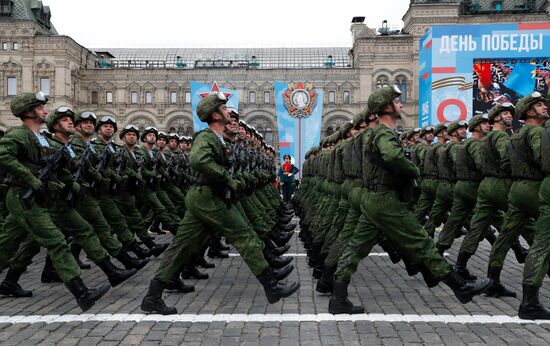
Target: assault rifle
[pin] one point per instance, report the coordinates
(45, 173)
(228, 192)
(121, 165)
(103, 163)
(78, 175)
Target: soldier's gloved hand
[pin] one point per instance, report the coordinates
(55, 187)
(95, 176)
(116, 178)
(234, 185)
(75, 187)
(35, 183)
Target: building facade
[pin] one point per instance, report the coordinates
(152, 86)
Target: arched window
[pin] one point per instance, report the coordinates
(329, 131)
(190, 131)
(172, 129)
(381, 81)
(269, 136)
(181, 131)
(346, 97)
(252, 97)
(401, 83)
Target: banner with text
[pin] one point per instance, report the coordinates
(200, 91)
(299, 109)
(464, 70)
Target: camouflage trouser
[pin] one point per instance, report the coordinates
(208, 215)
(464, 201)
(325, 219)
(339, 217)
(492, 197)
(538, 259)
(151, 202)
(351, 222)
(116, 219)
(22, 223)
(177, 198)
(523, 204)
(387, 217)
(88, 207)
(428, 191)
(443, 203)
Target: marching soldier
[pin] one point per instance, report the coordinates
(23, 152)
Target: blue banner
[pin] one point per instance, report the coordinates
(299, 109)
(200, 91)
(465, 69)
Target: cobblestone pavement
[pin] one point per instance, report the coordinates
(230, 309)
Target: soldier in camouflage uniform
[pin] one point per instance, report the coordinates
(23, 150)
(537, 262)
(467, 162)
(208, 212)
(447, 174)
(526, 166)
(389, 175)
(427, 163)
(492, 193)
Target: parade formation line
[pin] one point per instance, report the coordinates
(208, 318)
(372, 254)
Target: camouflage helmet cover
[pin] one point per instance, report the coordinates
(499, 108)
(476, 120)
(525, 103)
(382, 97)
(209, 105)
(58, 113)
(26, 101)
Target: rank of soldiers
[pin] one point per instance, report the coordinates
(367, 185)
(75, 189)
(72, 187)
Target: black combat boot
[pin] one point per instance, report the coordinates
(339, 302)
(429, 278)
(283, 220)
(461, 266)
(140, 252)
(275, 290)
(177, 284)
(156, 249)
(280, 238)
(497, 289)
(85, 297)
(191, 272)
(530, 307)
(214, 250)
(130, 262)
(75, 250)
(49, 275)
(318, 270)
(222, 246)
(203, 263)
(519, 251)
(283, 272)
(411, 267)
(10, 286)
(274, 249)
(115, 275)
(287, 227)
(394, 255)
(465, 290)
(274, 261)
(153, 303)
(441, 250)
(326, 282)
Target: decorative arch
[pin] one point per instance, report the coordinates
(141, 121)
(334, 119)
(228, 85)
(179, 124)
(264, 125)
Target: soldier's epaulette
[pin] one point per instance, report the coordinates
(94, 140)
(14, 128)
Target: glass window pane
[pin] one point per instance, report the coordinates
(173, 97)
(15, 46)
(331, 97)
(252, 97)
(187, 97)
(109, 97)
(346, 97)
(148, 97)
(134, 97)
(45, 85)
(266, 96)
(5, 45)
(12, 86)
(94, 96)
